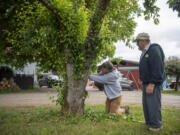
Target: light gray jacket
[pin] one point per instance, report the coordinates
(112, 87)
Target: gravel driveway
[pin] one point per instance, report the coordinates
(95, 97)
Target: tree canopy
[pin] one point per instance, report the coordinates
(35, 34)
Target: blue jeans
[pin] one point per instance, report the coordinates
(152, 106)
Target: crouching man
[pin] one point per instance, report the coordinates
(110, 79)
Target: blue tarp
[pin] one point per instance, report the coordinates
(165, 84)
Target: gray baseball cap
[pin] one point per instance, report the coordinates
(142, 36)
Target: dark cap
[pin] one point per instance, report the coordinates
(108, 65)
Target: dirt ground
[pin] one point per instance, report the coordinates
(95, 96)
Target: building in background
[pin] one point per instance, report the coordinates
(130, 69)
(29, 69)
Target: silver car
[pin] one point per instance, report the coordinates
(126, 83)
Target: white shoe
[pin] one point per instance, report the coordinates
(155, 129)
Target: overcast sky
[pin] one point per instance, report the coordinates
(166, 33)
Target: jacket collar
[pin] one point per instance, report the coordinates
(144, 51)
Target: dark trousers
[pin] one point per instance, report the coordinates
(152, 106)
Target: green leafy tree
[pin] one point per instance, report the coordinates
(70, 37)
(173, 68)
(8, 11)
(175, 5)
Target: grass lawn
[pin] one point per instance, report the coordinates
(48, 120)
(172, 92)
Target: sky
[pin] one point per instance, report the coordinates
(166, 33)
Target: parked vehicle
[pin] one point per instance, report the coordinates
(50, 80)
(173, 85)
(125, 83)
(100, 86)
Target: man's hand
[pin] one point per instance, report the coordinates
(150, 88)
(140, 82)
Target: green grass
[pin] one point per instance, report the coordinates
(172, 92)
(48, 120)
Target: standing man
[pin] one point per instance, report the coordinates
(152, 75)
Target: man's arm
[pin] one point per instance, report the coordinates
(156, 66)
(156, 63)
(104, 79)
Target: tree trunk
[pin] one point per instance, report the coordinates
(177, 84)
(75, 93)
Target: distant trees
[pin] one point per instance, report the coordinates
(175, 5)
(173, 68)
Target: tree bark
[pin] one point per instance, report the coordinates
(177, 84)
(75, 93)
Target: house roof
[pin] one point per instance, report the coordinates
(130, 61)
(123, 62)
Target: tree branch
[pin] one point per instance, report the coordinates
(92, 39)
(49, 6)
